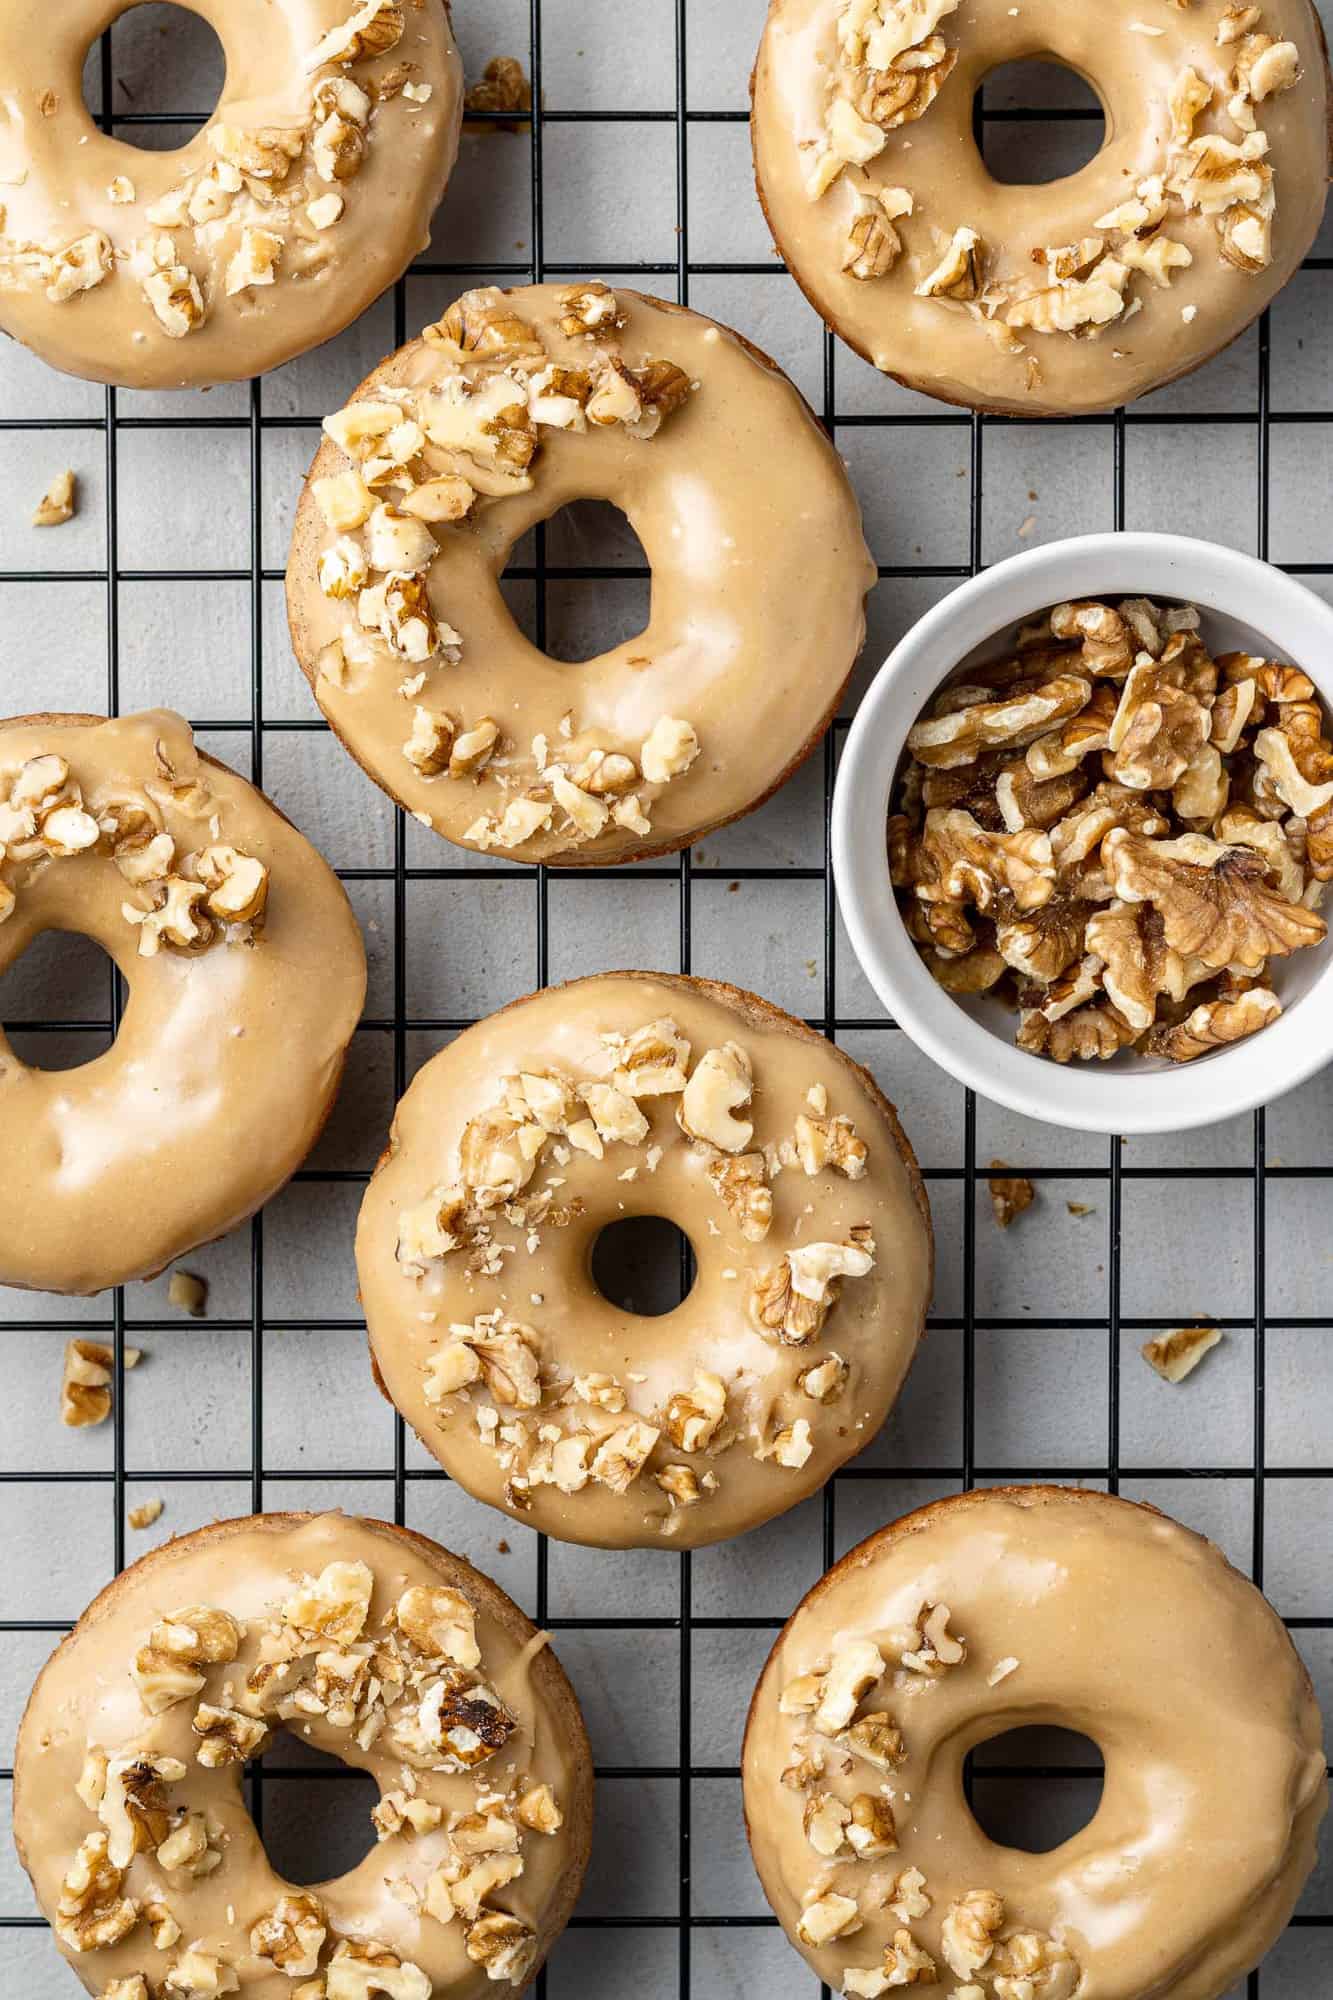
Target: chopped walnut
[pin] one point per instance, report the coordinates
(931, 1648)
(237, 884)
(1158, 729)
(957, 275)
(226, 1736)
(91, 1913)
(652, 1062)
(692, 1420)
(1088, 1034)
(1178, 1353)
(829, 1916)
(200, 1975)
(537, 1809)
(397, 1813)
(359, 1968)
(1215, 1024)
(503, 1944)
(1214, 901)
(968, 1935)
(877, 1739)
(830, 1142)
(1010, 1194)
(591, 308)
(853, 1671)
(622, 1456)
(369, 30)
(791, 1299)
(740, 1179)
(440, 1623)
(292, 1934)
(188, 1292)
(825, 1819)
(85, 1388)
(57, 504)
(134, 1808)
(333, 1605)
(824, 1381)
(907, 1897)
(668, 750)
(1137, 963)
(144, 1515)
(959, 736)
(722, 1084)
(1029, 1965)
(169, 1667)
(871, 1832)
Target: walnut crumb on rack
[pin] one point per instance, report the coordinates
(1178, 1353)
(1010, 1193)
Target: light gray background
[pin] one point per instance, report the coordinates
(1039, 1343)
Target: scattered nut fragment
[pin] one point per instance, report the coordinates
(59, 502)
(1178, 1353)
(1010, 1193)
(145, 1513)
(188, 1292)
(501, 87)
(85, 1389)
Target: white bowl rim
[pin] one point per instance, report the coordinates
(1297, 625)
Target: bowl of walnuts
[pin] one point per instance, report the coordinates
(1083, 828)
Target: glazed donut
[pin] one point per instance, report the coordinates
(988, 1612)
(513, 405)
(637, 1094)
(306, 194)
(246, 976)
(1202, 202)
(373, 1645)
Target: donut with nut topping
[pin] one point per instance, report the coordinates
(637, 1095)
(303, 197)
(373, 1645)
(1057, 299)
(245, 973)
(1010, 1609)
(511, 407)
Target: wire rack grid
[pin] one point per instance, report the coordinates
(666, 1673)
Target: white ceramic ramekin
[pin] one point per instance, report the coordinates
(1245, 605)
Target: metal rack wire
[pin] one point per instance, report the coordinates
(264, 567)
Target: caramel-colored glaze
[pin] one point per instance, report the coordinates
(226, 1061)
(85, 1695)
(56, 167)
(759, 575)
(874, 1325)
(937, 347)
(1126, 1627)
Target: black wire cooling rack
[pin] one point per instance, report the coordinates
(677, 1927)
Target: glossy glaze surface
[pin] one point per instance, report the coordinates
(1114, 1621)
(759, 574)
(1133, 56)
(226, 1060)
(62, 178)
(544, 1280)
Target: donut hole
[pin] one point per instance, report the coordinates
(1037, 121)
(643, 1264)
(1033, 1789)
(312, 1811)
(165, 71)
(56, 1001)
(605, 602)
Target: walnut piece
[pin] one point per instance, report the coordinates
(292, 1934)
(1177, 1353)
(1215, 902)
(1215, 1024)
(440, 1623)
(721, 1085)
(85, 1388)
(169, 1667)
(967, 1939)
(1010, 1193)
(58, 504)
